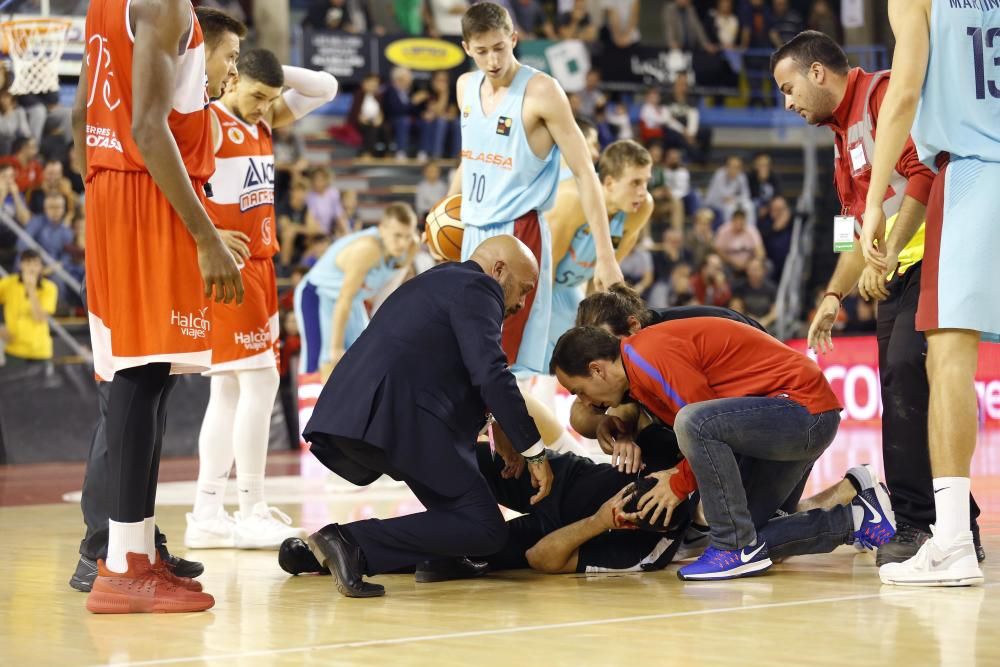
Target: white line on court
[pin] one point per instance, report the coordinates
(516, 629)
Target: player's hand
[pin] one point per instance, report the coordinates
(821, 330)
(871, 285)
(873, 238)
(660, 500)
(616, 437)
(606, 274)
(541, 479)
(612, 514)
(238, 244)
(219, 271)
(514, 462)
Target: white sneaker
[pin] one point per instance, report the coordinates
(214, 533)
(265, 528)
(937, 564)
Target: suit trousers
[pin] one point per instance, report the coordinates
(902, 362)
(469, 524)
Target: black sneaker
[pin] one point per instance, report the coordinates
(83, 579)
(980, 551)
(179, 566)
(903, 545)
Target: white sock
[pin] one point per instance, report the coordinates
(951, 503)
(215, 446)
(124, 538)
(251, 432)
(149, 536)
(567, 443)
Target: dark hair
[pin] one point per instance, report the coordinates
(812, 46)
(215, 24)
(738, 212)
(485, 17)
(621, 155)
(581, 345)
(263, 66)
(19, 143)
(585, 124)
(613, 308)
(29, 254)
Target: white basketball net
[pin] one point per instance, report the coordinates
(35, 46)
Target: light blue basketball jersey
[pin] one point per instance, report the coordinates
(959, 108)
(329, 278)
(502, 179)
(577, 267)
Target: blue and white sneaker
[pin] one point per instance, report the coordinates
(877, 522)
(716, 564)
(862, 477)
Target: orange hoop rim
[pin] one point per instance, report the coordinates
(40, 24)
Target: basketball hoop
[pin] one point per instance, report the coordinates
(35, 47)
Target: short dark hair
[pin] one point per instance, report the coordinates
(29, 254)
(613, 308)
(263, 66)
(812, 46)
(215, 23)
(581, 345)
(485, 17)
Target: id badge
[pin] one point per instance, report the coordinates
(859, 158)
(843, 233)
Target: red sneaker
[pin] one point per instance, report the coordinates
(142, 589)
(168, 574)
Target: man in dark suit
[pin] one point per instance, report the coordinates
(408, 400)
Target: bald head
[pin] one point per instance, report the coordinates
(511, 264)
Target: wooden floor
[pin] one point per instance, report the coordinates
(820, 610)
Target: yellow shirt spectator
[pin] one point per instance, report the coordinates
(27, 335)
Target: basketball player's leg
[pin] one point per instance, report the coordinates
(307, 315)
(208, 524)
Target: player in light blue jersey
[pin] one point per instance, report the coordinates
(946, 74)
(625, 168)
(329, 301)
(516, 124)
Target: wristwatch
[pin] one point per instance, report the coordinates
(538, 458)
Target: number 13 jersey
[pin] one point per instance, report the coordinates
(502, 178)
(959, 110)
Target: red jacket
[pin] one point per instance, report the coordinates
(853, 190)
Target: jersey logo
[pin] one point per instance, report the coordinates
(98, 57)
(235, 135)
(265, 231)
(503, 126)
(258, 185)
(496, 159)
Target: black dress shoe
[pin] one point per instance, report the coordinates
(345, 562)
(179, 566)
(447, 569)
(294, 557)
(83, 579)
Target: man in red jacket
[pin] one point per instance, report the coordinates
(726, 389)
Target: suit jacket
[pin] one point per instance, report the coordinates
(417, 384)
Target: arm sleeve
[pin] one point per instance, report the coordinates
(919, 177)
(683, 484)
(308, 90)
(475, 318)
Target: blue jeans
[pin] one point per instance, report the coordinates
(776, 439)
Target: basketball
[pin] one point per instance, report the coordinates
(444, 229)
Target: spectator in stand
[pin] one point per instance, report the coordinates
(729, 189)
(619, 120)
(606, 132)
(681, 288)
(738, 243)
(787, 22)
(679, 181)
(652, 117)
(52, 229)
(823, 19)
(665, 207)
(670, 253)
(315, 248)
(683, 29)
(710, 285)
(27, 167)
(736, 303)
(27, 299)
(11, 200)
(701, 241)
(53, 182)
(592, 97)
(683, 124)
(758, 294)
(74, 257)
(444, 18)
(367, 116)
(69, 168)
(756, 22)
(440, 120)
(430, 190)
(577, 23)
(620, 34)
(290, 162)
(296, 224)
(725, 25)
(531, 19)
(403, 107)
(323, 200)
(395, 17)
(776, 229)
(637, 267)
(764, 183)
(330, 15)
(13, 123)
(351, 218)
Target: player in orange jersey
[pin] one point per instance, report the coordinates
(244, 370)
(154, 259)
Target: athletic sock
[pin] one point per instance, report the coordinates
(209, 498)
(149, 537)
(124, 538)
(951, 503)
(251, 490)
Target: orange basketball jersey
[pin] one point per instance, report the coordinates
(243, 183)
(109, 96)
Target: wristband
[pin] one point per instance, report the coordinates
(840, 298)
(538, 458)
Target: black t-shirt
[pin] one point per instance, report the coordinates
(661, 315)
